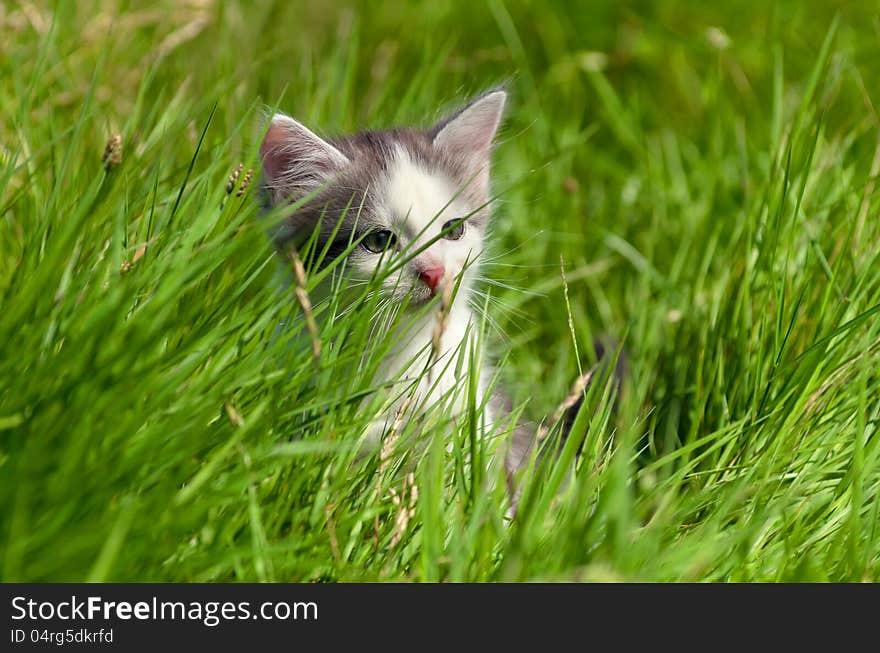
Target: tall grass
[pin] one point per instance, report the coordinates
(704, 175)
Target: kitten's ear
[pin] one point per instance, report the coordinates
(468, 134)
(295, 160)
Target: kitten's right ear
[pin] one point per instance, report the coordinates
(295, 160)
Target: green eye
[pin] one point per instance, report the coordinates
(379, 241)
(453, 229)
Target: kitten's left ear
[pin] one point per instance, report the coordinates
(468, 134)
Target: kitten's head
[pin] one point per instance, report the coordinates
(418, 200)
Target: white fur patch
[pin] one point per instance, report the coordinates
(417, 198)
(416, 204)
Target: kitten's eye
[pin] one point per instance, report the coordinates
(379, 241)
(453, 229)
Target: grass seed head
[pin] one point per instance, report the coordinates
(233, 178)
(245, 182)
(112, 152)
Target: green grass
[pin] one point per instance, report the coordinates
(707, 175)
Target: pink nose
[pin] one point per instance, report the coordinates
(432, 276)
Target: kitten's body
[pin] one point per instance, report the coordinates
(419, 187)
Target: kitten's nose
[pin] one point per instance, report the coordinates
(432, 276)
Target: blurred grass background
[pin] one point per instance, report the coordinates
(705, 172)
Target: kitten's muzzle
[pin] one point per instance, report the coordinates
(432, 277)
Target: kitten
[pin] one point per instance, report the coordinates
(418, 198)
